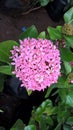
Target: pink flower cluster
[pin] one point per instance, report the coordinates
(37, 63)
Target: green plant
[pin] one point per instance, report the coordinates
(56, 111)
(44, 2)
(41, 2)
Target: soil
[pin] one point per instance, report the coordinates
(11, 27)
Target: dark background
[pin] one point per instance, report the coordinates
(11, 27)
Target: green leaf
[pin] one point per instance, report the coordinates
(69, 40)
(45, 107)
(5, 48)
(59, 28)
(13, 129)
(69, 100)
(6, 69)
(44, 2)
(66, 54)
(50, 120)
(30, 32)
(29, 92)
(61, 81)
(58, 127)
(67, 67)
(66, 127)
(19, 125)
(49, 90)
(46, 103)
(54, 33)
(42, 35)
(63, 93)
(70, 121)
(30, 127)
(44, 122)
(68, 16)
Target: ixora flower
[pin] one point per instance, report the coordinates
(37, 63)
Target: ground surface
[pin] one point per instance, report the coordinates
(11, 27)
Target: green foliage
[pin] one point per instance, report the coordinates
(69, 97)
(67, 127)
(44, 2)
(42, 115)
(56, 111)
(68, 16)
(49, 90)
(70, 121)
(5, 48)
(13, 129)
(67, 67)
(30, 32)
(19, 125)
(55, 33)
(66, 54)
(69, 40)
(6, 69)
(42, 35)
(30, 127)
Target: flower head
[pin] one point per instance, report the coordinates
(37, 63)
